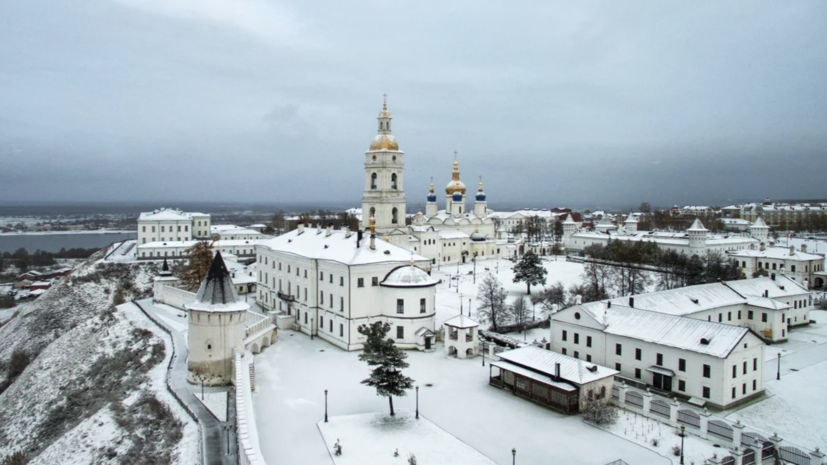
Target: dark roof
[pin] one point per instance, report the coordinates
(217, 288)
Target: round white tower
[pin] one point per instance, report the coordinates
(569, 227)
(384, 196)
(217, 323)
(697, 236)
(759, 230)
(480, 204)
(631, 224)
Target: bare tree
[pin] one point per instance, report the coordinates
(551, 298)
(491, 299)
(520, 312)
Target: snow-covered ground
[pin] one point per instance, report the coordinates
(216, 403)
(454, 394)
(647, 432)
(796, 409)
(373, 438)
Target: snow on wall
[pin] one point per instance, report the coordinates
(175, 297)
(249, 452)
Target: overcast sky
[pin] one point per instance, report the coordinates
(553, 103)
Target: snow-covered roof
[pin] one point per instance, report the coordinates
(217, 293)
(674, 331)
(452, 234)
(572, 369)
(545, 379)
(461, 321)
(569, 219)
(697, 226)
(338, 247)
(221, 243)
(781, 253)
(759, 223)
(781, 286)
(408, 276)
(168, 214)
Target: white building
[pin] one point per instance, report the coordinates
(797, 265)
(178, 249)
(232, 232)
(696, 240)
(708, 362)
(443, 236)
(326, 283)
(168, 225)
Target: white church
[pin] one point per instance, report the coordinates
(454, 234)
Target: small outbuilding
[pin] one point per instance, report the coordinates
(552, 379)
(462, 337)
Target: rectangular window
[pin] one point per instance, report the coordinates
(764, 317)
(681, 364)
(638, 354)
(179, 228)
(565, 335)
(288, 268)
(588, 341)
(341, 280)
(576, 338)
(576, 354)
(321, 297)
(330, 280)
(659, 360)
(681, 385)
(792, 268)
(321, 322)
(729, 316)
(331, 326)
(734, 371)
(749, 314)
(421, 305)
(637, 373)
(400, 332)
(588, 358)
(341, 304)
(305, 316)
(739, 314)
(321, 276)
(341, 330)
(374, 281)
(744, 388)
(564, 351)
(279, 266)
(754, 385)
(707, 371)
(706, 394)
(331, 301)
(783, 318)
(755, 364)
(360, 282)
(617, 366)
(162, 229)
(618, 349)
(305, 294)
(745, 368)
(400, 306)
(720, 317)
(143, 228)
(734, 392)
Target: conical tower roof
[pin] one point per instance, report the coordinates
(759, 224)
(569, 219)
(697, 226)
(217, 292)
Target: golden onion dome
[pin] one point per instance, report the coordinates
(455, 185)
(384, 142)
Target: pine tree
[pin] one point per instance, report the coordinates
(530, 270)
(389, 361)
(201, 255)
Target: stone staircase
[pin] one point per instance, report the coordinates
(253, 377)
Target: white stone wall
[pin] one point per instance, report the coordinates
(211, 338)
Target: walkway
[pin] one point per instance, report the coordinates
(809, 345)
(213, 433)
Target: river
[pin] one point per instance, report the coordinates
(53, 242)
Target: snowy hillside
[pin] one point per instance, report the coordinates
(82, 381)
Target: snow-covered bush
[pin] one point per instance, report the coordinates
(600, 413)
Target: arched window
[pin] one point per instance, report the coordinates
(394, 215)
(393, 181)
(373, 181)
(372, 212)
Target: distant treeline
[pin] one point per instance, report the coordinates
(23, 260)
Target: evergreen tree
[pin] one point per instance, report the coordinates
(491, 298)
(389, 361)
(201, 255)
(530, 270)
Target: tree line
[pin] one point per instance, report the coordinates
(23, 260)
(280, 224)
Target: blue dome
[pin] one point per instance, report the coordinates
(431, 197)
(480, 196)
(457, 197)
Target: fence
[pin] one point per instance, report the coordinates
(745, 447)
(249, 452)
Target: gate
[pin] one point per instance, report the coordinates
(659, 407)
(615, 392)
(720, 429)
(753, 440)
(689, 418)
(634, 398)
(749, 457)
(794, 455)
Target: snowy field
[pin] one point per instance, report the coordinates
(454, 394)
(796, 410)
(373, 438)
(216, 403)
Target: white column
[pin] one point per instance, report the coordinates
(704, 423)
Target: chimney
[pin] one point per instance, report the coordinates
(632, 302)
(318, 228)
(300, 228)
(578, 299)
(346, 230)
(766, 293)
(792, 250)
(803, 248)
(763, 247)
(358, 238)
(609, 304)
(329, 229)
(557, 371)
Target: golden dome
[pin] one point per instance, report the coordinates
(455, 185)
(384, 142)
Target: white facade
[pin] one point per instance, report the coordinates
(795, 264)
(716, 363)
(168, 225)
(326, 283)
(384, 193)
(178, 249)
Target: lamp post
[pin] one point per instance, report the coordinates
(311, 329)
(202, 386)
(325, 405)
(227, 430)
(469, 307)
(460, 304)
(778, 375)
(417, 402)
(475, 267)
(483, 353)
(513, 456)
(683, 433)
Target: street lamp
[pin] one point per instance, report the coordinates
(469, 307)
(202, 386)
(325, 405)
(417, 402)
(483, 353)
(460, 305)
(513, 456)
(475, 267)
(778, 375)
(227, 430)
(683, 433)
(311, 329)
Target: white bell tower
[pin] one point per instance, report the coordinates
(384, 196)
